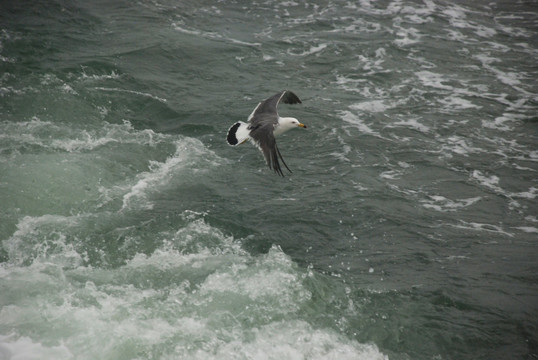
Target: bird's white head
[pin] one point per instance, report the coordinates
(287, 123)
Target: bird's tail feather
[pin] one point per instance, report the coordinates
(238, 133)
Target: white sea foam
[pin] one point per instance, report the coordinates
(353, 119)
(490, 182)
(527, 229)
(370, 106)
(411, 123)
(43, 238)
(513, 30)
(482, 227)
(458, 145)
(391, 174)
(510, 78)
(68, 89)
(195, 303)
(407, 36)
(38, 133)
(531, 194)
(189, 155)
(182, 27)
(313, 50)
(458, 18)
(99, 77)
(13, 347)
(432, 79)
(293, 339)
(352, 85)
(140, 93)
(499, 123)
(457, 103)
(443, 204)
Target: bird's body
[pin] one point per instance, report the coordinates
(263, 125)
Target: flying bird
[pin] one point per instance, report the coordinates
(263, 125)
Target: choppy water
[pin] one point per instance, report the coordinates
(131, 230)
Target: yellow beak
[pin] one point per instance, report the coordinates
(302, 125)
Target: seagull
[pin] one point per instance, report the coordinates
(263, 125)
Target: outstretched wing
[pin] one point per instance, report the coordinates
(269, 106)
(265, 140)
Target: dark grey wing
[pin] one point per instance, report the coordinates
(269, 106)
(264, 138)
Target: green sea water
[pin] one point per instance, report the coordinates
(408, 228)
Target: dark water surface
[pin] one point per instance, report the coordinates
(131, 230)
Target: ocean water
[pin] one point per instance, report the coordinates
(129, 229)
